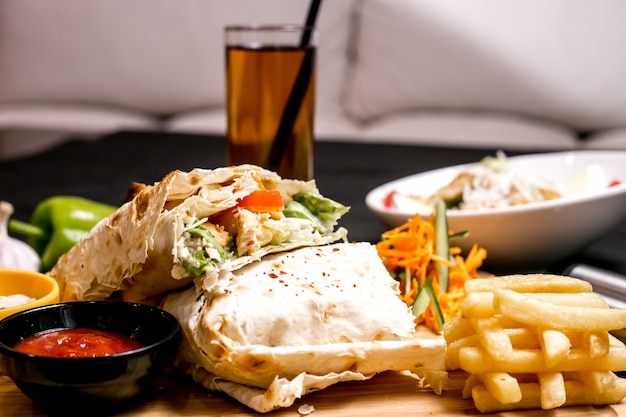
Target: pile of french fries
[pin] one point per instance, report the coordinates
(536, 341)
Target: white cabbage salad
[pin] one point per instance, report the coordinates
(492, 183)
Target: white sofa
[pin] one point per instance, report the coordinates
(519, 74)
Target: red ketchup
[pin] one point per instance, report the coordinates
(77, 343)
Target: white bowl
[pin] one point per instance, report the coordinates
(533, 235)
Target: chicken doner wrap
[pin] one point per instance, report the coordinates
(195, 226)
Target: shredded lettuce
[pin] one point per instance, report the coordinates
(298, 210)
(208, 237)
(203, 248)
(196, 268)
(325, 211)
(498, 163)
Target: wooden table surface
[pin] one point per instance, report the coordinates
(387, 394)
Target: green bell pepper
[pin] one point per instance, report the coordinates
(57, 223)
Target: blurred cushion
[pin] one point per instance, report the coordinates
(469, 130)
(210, 121)
(563, 60)
(160, 56)
(607, 139)
(30, 128)
(446, 129)
(79, 118)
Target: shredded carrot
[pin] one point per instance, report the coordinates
(408, 254)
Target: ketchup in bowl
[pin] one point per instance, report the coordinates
(77, 343)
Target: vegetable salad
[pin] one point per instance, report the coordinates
(431, 273)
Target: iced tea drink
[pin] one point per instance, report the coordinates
(263, 64)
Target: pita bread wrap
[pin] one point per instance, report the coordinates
(192, 226)
(299, 321)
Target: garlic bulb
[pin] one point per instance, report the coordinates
(14, 253)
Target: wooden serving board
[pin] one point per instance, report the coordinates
(387, 394)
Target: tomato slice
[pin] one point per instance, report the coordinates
(388, 200)
(262, 201)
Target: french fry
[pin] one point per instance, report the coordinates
(507, 322)
(576, 394)
(536, 341)
(493, 338)
(598, 381)
(502, 386)
(476, 360)
(583, 299)
(480, 304)
(453, 349)
(469, 385)
(555, 346)
(579, 340)
(529, 283)
(457, 328)
(531, 311)
(552, 390)
(485, 402)
(477, 305)
(599, 343)
(523, 338)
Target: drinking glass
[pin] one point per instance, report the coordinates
(270, 97)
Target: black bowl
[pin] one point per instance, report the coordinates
(94, 385)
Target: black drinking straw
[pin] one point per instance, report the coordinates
(290, 113)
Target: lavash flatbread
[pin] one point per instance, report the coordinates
(133, 252)
(299, 321)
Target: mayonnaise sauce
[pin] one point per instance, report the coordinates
(14, 300)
